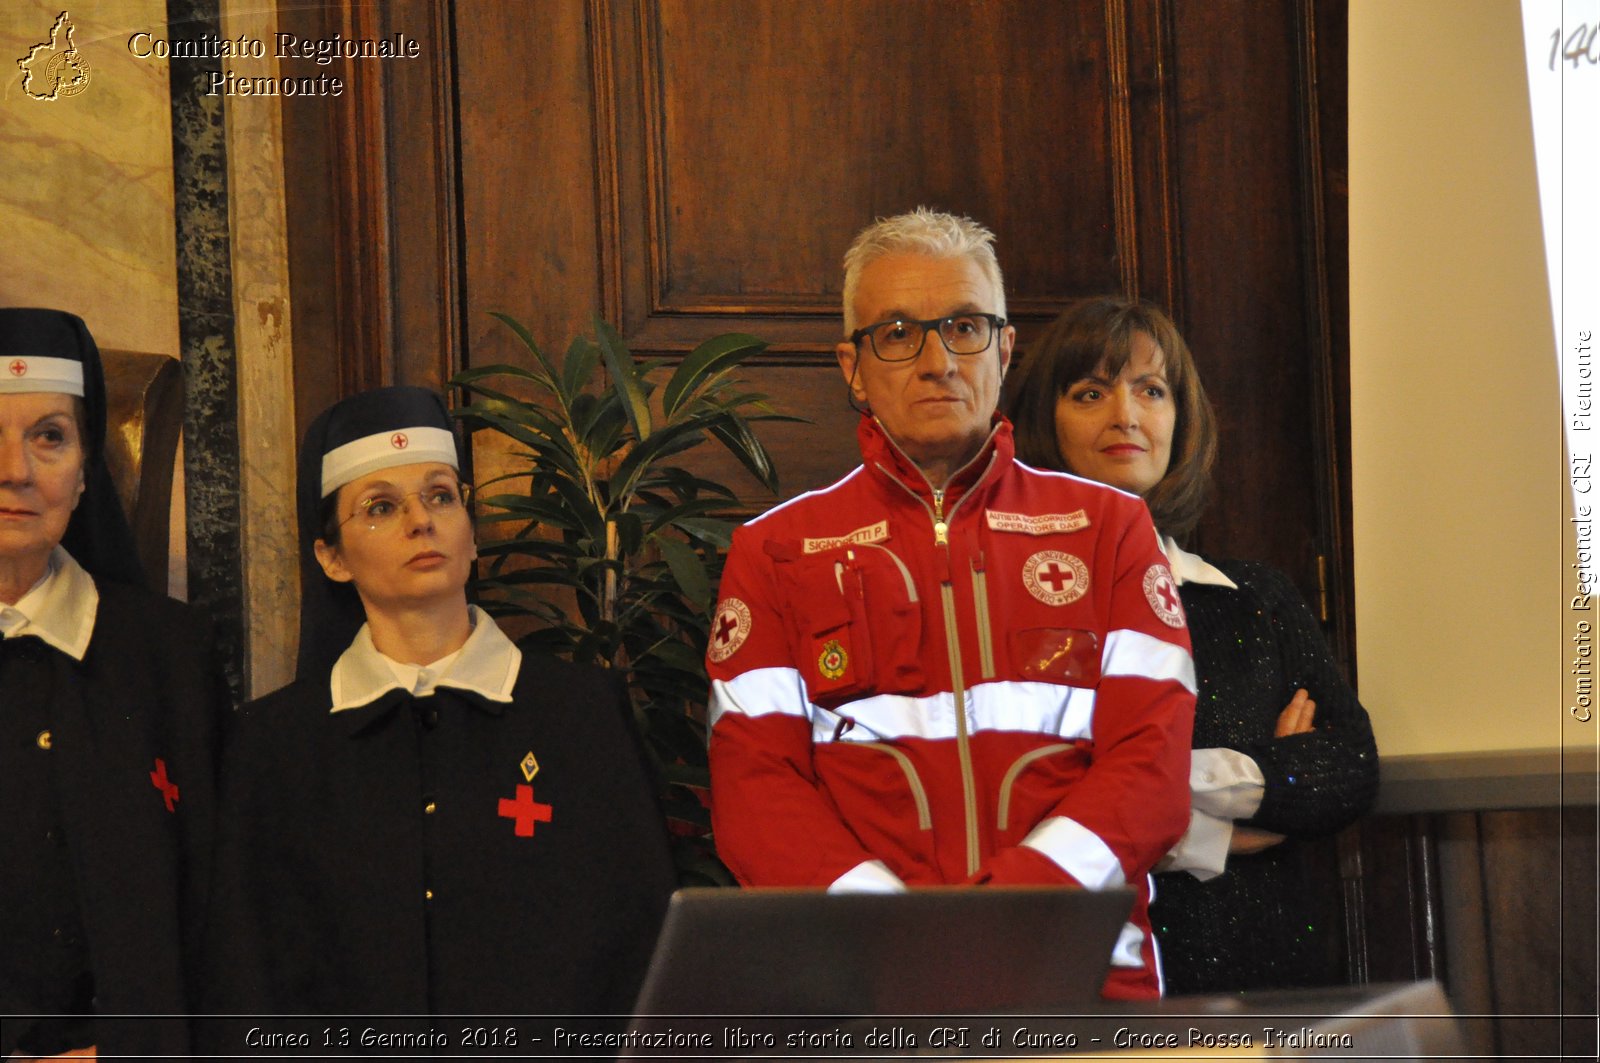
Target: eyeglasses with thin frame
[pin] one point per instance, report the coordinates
(901, 340)
(382, 511)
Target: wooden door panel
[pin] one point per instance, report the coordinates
(752, 140)
(527, 162)
(779, 128)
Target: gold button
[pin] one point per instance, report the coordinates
(43, 741)
(429, 807)
(427, 895)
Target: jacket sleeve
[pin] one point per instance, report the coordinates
(258, 949)
(773, 825)
(1132, 804)
(1319, 782)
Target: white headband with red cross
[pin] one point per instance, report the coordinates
(26, 373)
(383, 450)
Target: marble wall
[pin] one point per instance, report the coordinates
(154, 210)
(86, 201)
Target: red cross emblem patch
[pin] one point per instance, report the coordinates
(19, 368)
(1055, 578)
(729, 628)
(399, 441)
(524, 811)
(168, 788)
(1162, 593)
(833, 661)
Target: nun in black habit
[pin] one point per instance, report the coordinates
(109, 706)
(428, 820)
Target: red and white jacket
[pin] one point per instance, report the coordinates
(989, 683)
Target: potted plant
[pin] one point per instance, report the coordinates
(613, 547)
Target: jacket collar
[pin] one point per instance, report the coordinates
(486, 666)
(59, 609)
(1192, 568)
(884, 458)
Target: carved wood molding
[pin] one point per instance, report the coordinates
(633, 149)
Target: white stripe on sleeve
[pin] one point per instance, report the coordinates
(1079, 852)
(1130, 652)
(758, 692)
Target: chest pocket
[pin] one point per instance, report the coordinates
(856, 622)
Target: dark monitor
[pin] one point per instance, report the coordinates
(943, 950)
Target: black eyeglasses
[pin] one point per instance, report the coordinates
(901, 341)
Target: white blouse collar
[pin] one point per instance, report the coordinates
(59, 609)
(487, 664)
(1192, 568)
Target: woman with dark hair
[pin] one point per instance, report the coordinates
(111, 704)
(1283, 750)
(428, 820)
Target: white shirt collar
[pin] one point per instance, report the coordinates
(1192, 568)
(487, 664)
(59, 609)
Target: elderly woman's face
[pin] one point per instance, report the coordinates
(1120, 431)
(41, 473)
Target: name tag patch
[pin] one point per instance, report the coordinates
(1038, 524)
(872, 533)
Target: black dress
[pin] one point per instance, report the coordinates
(1261, 924)
(444, 854)
(108, 786)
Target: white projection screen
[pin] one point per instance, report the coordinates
(1470, 404)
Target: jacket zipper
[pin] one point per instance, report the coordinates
(952, 634)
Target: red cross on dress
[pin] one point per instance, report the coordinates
(524, 810)
(169, 790)
(1056, 576)
(726, 625)
(1168, 595)
(19, 368)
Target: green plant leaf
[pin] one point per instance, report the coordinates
(694, 507)
(688, 570)
(717, 532)
(670, 440)
(742, 443)
(543, 510)
(527, 341)
(625, 379)
(705, 361)
(578, 367)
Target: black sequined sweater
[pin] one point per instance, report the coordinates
(1267, 921)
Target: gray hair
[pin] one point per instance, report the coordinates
(921, 232)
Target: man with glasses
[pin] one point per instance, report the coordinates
(948, 667)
